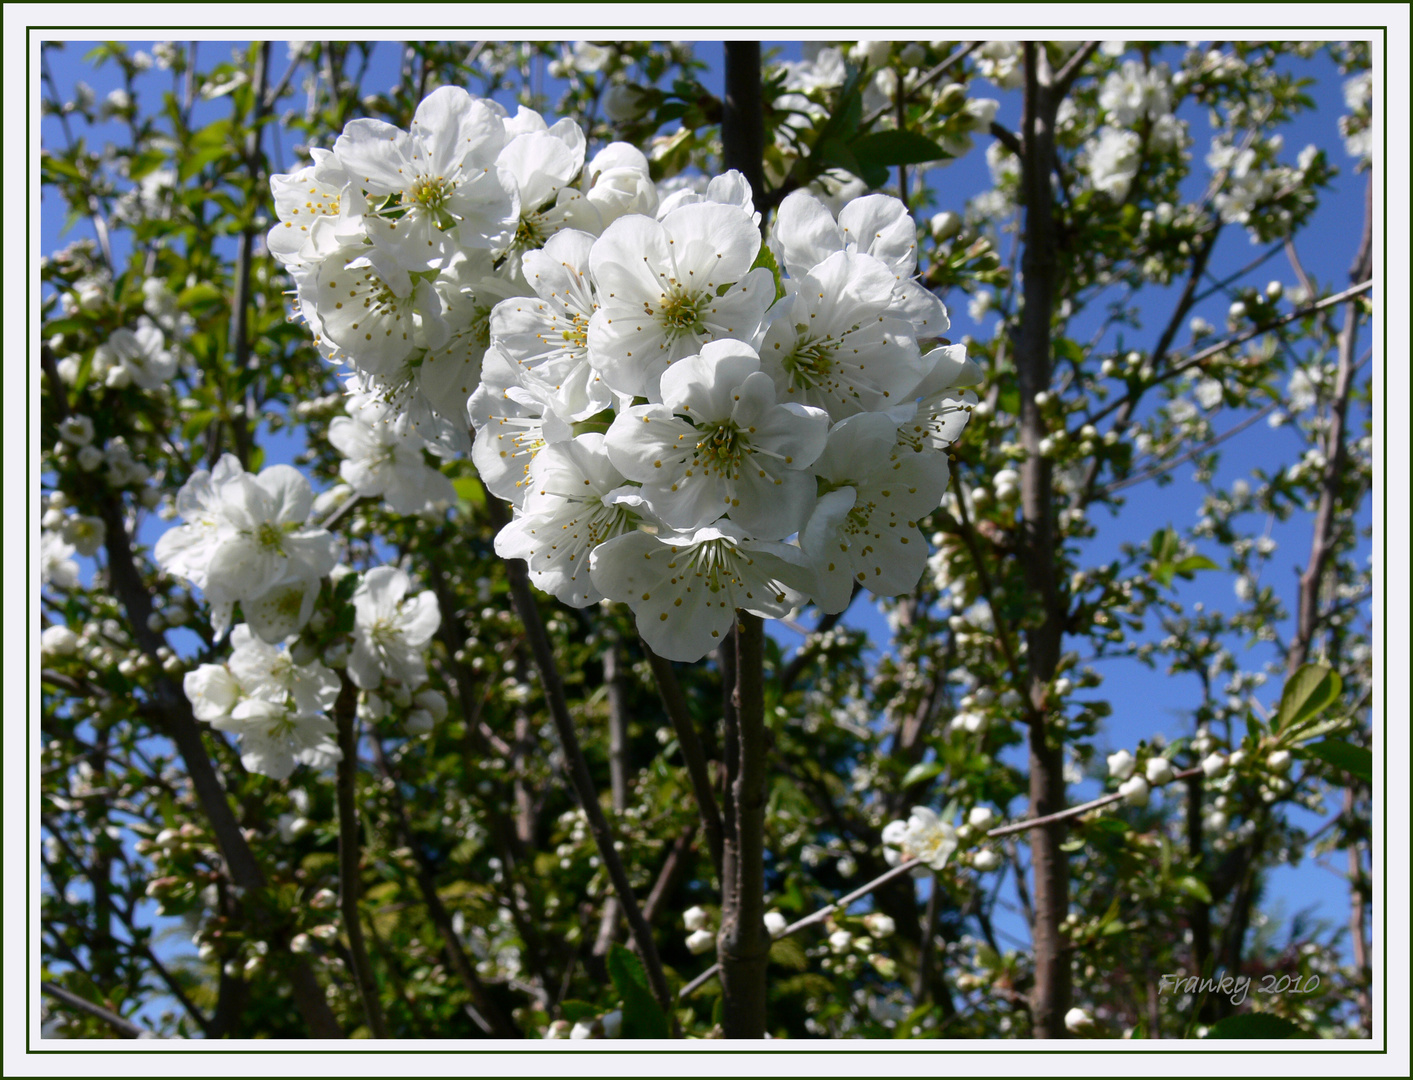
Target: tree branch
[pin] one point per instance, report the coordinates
(350, 872)
(675, 702)
(581, 780)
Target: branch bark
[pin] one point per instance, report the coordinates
(1050, 998)
(350, 871)
(743, 942)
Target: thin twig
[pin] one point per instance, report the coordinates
(675, 702)
(580, 778)
(126, 1028)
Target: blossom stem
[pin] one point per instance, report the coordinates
(350, 874)
(580, 778)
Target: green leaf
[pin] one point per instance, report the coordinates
(1194, 888)
(896, 148)
(574, 1011)
(923, 770)
(469, 489)
(1355, 760)
(766, 258)
(1195, 562)
(787, 952)
(643, 1018)
(1255, 1025)
(906, 1028)
(1307, 693)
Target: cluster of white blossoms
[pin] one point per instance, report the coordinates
(666, 403)
(1137, 105)
(249, 538)
(276, 707)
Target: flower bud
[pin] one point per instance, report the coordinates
(1159, 771)
(879, 924)
(981, 817)
(699, 941)
(1078, 1022)
(775, 923)
(1121, 765)
(1278, 761)
(986, 861)
(1213, 765)
(1135, 791)
(695, 918)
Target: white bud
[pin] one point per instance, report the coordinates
(1121, 765)
(1213, 765)
(696, 918)
(840, 940)
(879, 924)
(1078, 1022)
(699, 941)
(1158, 771)
(1278, 761)
(775, 923)
(986, 860)
(981, 817)
(1135, 791)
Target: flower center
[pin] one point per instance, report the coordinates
(681, 311)
(811, 364)
(720, 449)
(430, 191)
(268, 536)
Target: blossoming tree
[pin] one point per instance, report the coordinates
(529, 696)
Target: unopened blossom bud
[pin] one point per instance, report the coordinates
(323, 900)
(981, 817)
(775, 923)
(840, 940)
(986, 861)
(1135, 791)
(945, 225)
(418, 722)
(559, 1029)
(433, 702)
(1121, 765)
(1278, 761)
(699, 941)
(1158, 771)
(1237, 311)
(879, 924)
(325, 932)
(1274, 291)
(300, 943)
(623, 103)
(1213, 765)
(58, 641)
(695, 918)
(1078, 1022)
(1236, 758)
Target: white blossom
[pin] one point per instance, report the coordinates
(390, 633)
